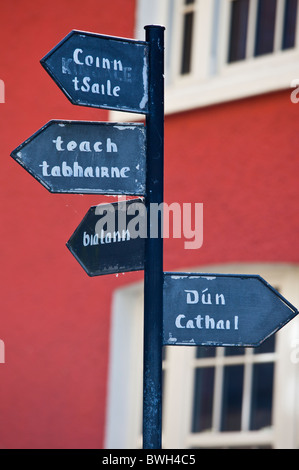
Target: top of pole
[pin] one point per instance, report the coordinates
(150, 26)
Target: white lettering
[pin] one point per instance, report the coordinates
(219, 297)
(102, 237)
(66, 170)
(44, 167)
(207, 322)
(106, 64)
(75, 56)
(123, 172)
(104, 172)
(71, 145)
(116, 91)
(206, 298)
(89, 60)
(96, 88)
(178, 321)
(85, 146)
(111, 146)
(117, 65)
(55, 171)
(97, 146)
(78, 171)
(76, 81)
(80, 58)
(192, 299)
(58, 143)
(88, 172)
(85, 87)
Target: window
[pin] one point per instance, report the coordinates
(238, 30)
(220, 50)
(212, 397)
(233, 388)
(261, 27)
(187, 43)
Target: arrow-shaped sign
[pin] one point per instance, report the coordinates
(101, 71)
(86, 157)
(110, 238)
(221, 309)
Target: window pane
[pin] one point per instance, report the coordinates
(262, 394)
(289, 27)
(238, 30)
(203, 399)
(234, 351)
(267, 346)
(265, 27)
(232, 398)
(187, 43)
(202, 352)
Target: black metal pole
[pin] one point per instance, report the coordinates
(153, 270)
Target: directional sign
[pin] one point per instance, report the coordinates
(101, 71)
(86, 157)
(110, 238)
(221, 309)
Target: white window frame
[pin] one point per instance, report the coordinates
(213, 80)
(123, 428)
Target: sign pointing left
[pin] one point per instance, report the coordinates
(101, 71)
(109, 238)
(86, 157)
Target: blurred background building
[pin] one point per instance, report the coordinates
(72, 376)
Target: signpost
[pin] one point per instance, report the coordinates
(108, 158)
(101, 71)
(221, 310)
(108, 239)
(126, 75)
(153, 265)
(86, 157)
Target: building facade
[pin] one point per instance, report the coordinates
(72, 369)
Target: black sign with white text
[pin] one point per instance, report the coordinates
(86, 157)
(221, 309)
(110, 238)
(101, 71)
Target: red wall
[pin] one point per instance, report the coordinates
(239, 159)
(54, 319)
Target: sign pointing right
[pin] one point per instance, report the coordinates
(221, 309)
